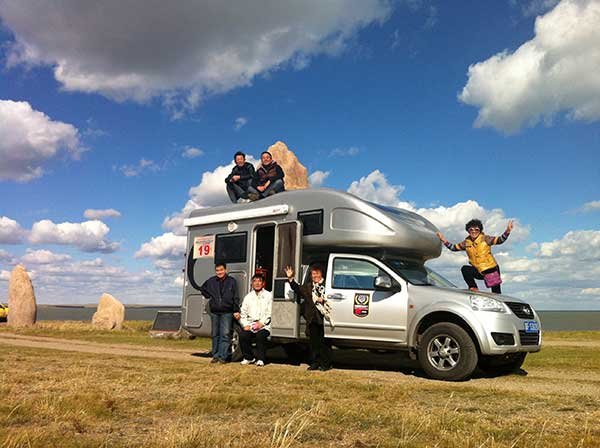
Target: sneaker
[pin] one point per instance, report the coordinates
(245, 362)
(313, 367)
(243, 201)
(473, 289)
(253, 197)
(214, 360)
(222, 361)
(260, 363)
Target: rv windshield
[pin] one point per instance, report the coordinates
(418, 274)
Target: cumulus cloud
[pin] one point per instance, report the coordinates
(535, 7)
(11, 231)
(6, 257)
(191, 153)
(99, 214)
(167, 245)
(240, 122)
(557, 71)
(88, 236)
(43, 256)
(376, 188)
(181, 51)
(583, 244)
(317, 178)
(30, 139)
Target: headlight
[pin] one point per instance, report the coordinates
(480, 303)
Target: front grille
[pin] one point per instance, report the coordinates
(529, 338)
(521, 310)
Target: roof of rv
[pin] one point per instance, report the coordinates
(299, 200)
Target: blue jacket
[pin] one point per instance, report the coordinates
(222, 295)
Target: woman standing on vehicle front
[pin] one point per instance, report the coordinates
(483, 265)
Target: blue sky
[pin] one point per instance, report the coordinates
(379, 95)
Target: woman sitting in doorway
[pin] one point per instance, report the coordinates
(478, 245)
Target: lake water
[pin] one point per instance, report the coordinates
(551, 320)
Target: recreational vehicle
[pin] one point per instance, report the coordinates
(382, 295)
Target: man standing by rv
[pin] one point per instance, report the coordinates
(256, 321)
(240, 180)
(269, 177)
(224, 303)
(313, 307)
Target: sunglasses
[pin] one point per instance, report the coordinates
(474, 229)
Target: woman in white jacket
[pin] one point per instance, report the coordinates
(255, 321)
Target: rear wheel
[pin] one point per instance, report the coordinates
(447, 352)
(236, 348)
(502, 364)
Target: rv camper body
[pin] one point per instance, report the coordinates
(381, 293)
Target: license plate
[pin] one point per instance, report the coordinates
(531, 327)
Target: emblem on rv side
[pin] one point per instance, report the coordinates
(232, 226)
(361, 305)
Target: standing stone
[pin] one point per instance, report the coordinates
(296, 175)
(110, 313)
(22, 309)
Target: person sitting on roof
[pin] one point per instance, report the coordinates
(478, 245)
(269, 178)
(240, 180)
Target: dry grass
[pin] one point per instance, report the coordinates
(56, 398)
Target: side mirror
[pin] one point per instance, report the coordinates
(383, 282)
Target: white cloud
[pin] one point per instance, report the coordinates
(30, 139)
(11, 231)
(591, 291)
(591, 206)
(535, 7)
(144, 165)
(557, 71)
(240, 122)
(43, 257)
(191, 152)
(167, 245)
(4, 276)
(88, 236)
(6, 257)
(317, 178)
(376, 188)
(183, 50)
(344, 152)
(583, 244)
(92, 213)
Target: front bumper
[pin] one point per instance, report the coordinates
(507, 324)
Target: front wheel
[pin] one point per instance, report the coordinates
(447, 352)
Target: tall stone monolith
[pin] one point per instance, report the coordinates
(296, 174)
(110, 313)
(22, 308)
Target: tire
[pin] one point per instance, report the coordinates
(447, 352)
(236, 348)
(502, 364)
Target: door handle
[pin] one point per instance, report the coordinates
(336, 296)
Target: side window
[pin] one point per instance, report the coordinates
(349, 273)
(231, 247)
(312, 222)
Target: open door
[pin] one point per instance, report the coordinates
(285, 314)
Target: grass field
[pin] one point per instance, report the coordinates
(64, 398)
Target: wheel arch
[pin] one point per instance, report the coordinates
(443, 316)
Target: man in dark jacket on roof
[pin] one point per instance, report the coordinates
(269, 177)
(224, 302)
(240, 180)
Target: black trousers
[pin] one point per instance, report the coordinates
(470, 274)
(237, 191)
(321, 353)
(246, 338)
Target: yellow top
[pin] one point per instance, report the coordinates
(480, 253)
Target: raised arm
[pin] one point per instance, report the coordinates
(492, 240)
(449, 245)
(289, 272)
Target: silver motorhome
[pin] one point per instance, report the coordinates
(383, 296)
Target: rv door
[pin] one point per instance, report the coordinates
(285, 314)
